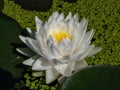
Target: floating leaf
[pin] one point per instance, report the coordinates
(9, 30)
(100, 77)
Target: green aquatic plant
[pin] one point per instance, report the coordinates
(28, 82)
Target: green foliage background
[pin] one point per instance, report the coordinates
(103, 16)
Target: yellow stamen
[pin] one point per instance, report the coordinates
(59, 35)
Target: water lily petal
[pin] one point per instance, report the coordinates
(24, 39)
(94, 51)
(51, 75)
(78, 36)
(38, 23)
(61, 68)
(68, 17)
(25, 51)
(38, 73)
(82, 45)
(53, 17)
(60, 17)
(82, 54)
(91, 47)
(31, 32)
(80, 64)
(75, 17)
(41, 64)
(55, 50)
(65, 69)
(31, 60)
(81, 31)
(86, 39)
(34, 45)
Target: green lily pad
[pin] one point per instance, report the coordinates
(1, 5)
(9, 31)
(100, 77)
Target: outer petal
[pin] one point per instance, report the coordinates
(65, 69)
(95, 50)
(41, 64)
(31, 32)
(38, 23)
(25, 51)
(53, 17)
(51, 75)
(87, 52)
(86, 39)
(68, 17)
(60, 17)
(80, 56)
(81, 46)
(80, 64)
(38, 74)
(31, 60)
(79, 35)
(29, 42)
(75, 17)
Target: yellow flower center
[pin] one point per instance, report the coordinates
(59, 35)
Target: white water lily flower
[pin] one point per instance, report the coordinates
(63, 44)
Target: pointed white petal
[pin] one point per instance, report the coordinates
(50, 19)
(64, 25)
(68, 17)
(75, 17)
(60, 17)
(25, 51)
(61, 68)
(38, 23)
(31, 60)
(94, 51)
(45, 50)
(51, 75)
(53, 40)
(22, 38)
(31, 32)
(62, 45)
(89, 35)
(82, 54)
(86, 39)
(87, 52)
(81, 31)
(54, 50)
(39, 40)
(41, 64)
(80, 64)
(55, 15)
(65, 69)
(34, 45)
(38, 74)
